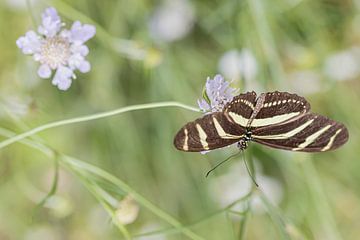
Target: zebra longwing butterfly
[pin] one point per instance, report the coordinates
(276, 119)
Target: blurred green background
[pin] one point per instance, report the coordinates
(151, 51)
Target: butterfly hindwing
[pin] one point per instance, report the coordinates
(307, 133)
(209, 132)
(277, 107)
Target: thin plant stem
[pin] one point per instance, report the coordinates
(276, 216)
(91, 117)
(326, 219)
(267, 41)
(74, 164)
(175, 230)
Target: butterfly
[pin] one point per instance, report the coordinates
(276, 119)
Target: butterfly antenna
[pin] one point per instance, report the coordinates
(217, 165)
(248, 169)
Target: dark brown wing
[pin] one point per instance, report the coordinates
(209, 132)
(278, 107)
(306, 133)
(240, 108)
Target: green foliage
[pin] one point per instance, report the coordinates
(150, 84)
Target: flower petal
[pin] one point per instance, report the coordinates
(84, 66)
(62, 78)
(219, 93)
(80, 48)
(51, 23)
(44, 71)
(81, 33)
(30, 43)
(203, 105)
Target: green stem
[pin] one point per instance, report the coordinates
(75, 164)
(86, 118)
(173, 231)
(267, 40)
(326, 219)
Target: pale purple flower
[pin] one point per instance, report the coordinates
(57, 49)
(217, 94)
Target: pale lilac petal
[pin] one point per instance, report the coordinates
(51, 13)
(219, 93)
(80, 48)
(81, 33)
(30, 43)
(51, 23)
(44, 71)
(203, 105)
(62, 78)
(75, 61)
(84, 67)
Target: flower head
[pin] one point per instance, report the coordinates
(62, 51)
(216, 94)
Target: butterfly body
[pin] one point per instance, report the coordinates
(275, 119)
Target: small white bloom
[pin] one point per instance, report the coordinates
(343, 65)
(14, 104)
(42, 232)
(237, 183)
(305, 82)
(172, 21)
(234, 64)
(58, 50)
(218, 93)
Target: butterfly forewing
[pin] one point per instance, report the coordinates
(307, 133)
(239, 110)
(278, 107)
(209, 132)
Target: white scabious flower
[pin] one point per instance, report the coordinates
(217, 94)
(343, 65)
(57, 49)
(236, 184)
(305, 81)
(235, 64)
(172, 20)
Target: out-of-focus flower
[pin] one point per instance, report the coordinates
(128, 210)
(305, 82)
(42, 232)
(216, 94)
(172, 21)
(62, 51)
(60, 206)
(234, 65)
(343, 65)
(236, 184)
(18, 4)
(15, 105)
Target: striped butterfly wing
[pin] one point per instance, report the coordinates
(306, 133)
(277, 107)
(240, 109)
(209, 132)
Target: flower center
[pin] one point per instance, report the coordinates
(55, 51)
